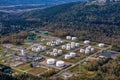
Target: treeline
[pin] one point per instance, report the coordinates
(110, 70)
(99, 23)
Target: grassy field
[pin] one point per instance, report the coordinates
(17, 72)
(24, 67)
(36, 71)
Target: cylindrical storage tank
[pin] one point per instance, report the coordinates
(51, 61)
(68, 44)
(55, 54)
(22, 52)
(38, 49)
(52, 44)
(44, 48)
(74, 38)
(63, 46)
(87, 51)
(61, 41)
(57, 43)
(48, 43)
(72, 46)
(68, 48)
(33, 49)
(67, 56)
(72, 43)
(60, 63)
(59, 51)
(82, 50)
(101, 45)
(55, 50)
(68, 37)
(89, 47)
(92, 49)
(87, 42)
(40, 46)
(51, 53)
(47, 52)
(77, 44)
(72, 54)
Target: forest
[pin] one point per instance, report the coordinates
(100, 23)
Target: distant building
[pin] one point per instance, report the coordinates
(5, 69)
(45, 32)
(108, 54)
(30, 38)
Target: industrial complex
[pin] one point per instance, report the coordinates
(38, 55)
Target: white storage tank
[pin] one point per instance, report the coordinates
(61, 41)
(22, 52)
(77, 44)
(68, 44)
(39, 46)
(57, 43)
(72, 43)
(38, 49)
(74, 38)
(55, 54)
(67, 56)
(51, 61)
(44, 48)
(51, 53)
(48, 43)
(33, 49)
(89, 47)
(68, 48)
(82, 50)
(59, 51)
(47, 52)
(60, 63)
(87, 42)
(101, 45)
(63, 46)
(87, 51)
(68, 37)
(52, 44)
(72, 46)
(92, 49)
(55, 50)
(72, 54)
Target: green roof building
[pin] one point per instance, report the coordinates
(30, 38)
(45, 32)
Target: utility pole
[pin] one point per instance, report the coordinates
(2, 31)
(80, 67)
(12, 31)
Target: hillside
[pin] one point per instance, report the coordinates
(17, 2)
(94, 22)
(13, 6)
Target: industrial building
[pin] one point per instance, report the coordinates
(5, 69)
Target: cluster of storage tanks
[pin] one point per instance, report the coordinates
(55, 42)
(39, 48)
(55, 52)
(87, 50)
(101, 45)
(71, 38)
(54, 62)
(70, 46)
(70, 56)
